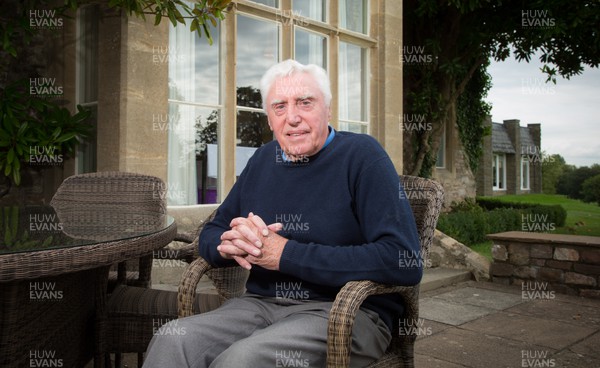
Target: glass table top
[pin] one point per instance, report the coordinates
(37, 228)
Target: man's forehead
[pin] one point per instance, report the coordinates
(298, 86)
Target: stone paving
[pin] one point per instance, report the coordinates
(480, 324)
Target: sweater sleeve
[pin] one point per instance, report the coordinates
(391, 253)
(210, 236)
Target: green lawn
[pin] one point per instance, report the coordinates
(582, 218)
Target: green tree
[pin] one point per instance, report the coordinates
(552, 167)
(446, 43)
(590, 189)
(571, 181)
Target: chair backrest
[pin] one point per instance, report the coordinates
(115, 189)
(86, 203)
(426, 197)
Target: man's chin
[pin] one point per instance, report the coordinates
(297, 153)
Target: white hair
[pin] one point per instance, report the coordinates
(290, 67)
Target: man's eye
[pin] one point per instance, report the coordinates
(279, 107)
(305, 103)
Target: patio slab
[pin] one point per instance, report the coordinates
(538, 331)
(561, 310)
(481, 298)
(474, 349)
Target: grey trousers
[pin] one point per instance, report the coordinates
(257, 332)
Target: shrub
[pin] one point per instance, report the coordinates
(468, 227)
(503, 219)
(590, 189)
(469, 223)
(493, 203)
(555, 214)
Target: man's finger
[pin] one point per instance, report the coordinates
(276, 227)
(259, 223)
(242, 262)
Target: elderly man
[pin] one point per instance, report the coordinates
(335, 213)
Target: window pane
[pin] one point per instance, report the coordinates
(87, 82)
(501, 172)
(273, 3)
(88, 54)
(194, 78)
(257, 50)
(353, 15)
(86, 151)
(310, 48)
(352, 82)
(313, 9)
(252, 132)
(354, 127)
(524, 172)
(193, 154)
(495, 171)
(207, 154)
(194, 68)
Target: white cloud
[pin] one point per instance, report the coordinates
(568, 111)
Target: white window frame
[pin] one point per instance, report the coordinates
(525, 173)
(496, 160)
(87, 148)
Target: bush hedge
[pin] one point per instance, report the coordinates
(470, 222)
(555, 214)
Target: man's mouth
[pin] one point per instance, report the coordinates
(296, 134)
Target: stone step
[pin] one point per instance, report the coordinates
(434, 278)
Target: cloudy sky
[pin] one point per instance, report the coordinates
(569, 112)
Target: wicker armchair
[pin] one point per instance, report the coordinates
(115, 190)
(426, 198)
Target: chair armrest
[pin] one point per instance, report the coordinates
(185, 237)
(344, 309)
(187, 287)
(187, 252)
(230, 282)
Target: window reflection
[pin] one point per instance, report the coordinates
(193, 118)
(352, 88)
(272, 3)
(194, 67)
(257, 50)
(310, 48)
(87, 81)
(353, 15)
(313, 9)
(207, 155)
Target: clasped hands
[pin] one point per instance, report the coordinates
(250, 241)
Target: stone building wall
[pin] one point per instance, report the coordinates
(456, 178)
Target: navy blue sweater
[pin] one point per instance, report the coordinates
(344, 213)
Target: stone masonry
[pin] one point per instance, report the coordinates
(567, 264)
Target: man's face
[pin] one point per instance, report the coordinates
(298, 115)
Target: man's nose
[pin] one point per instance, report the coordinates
(292, 116)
